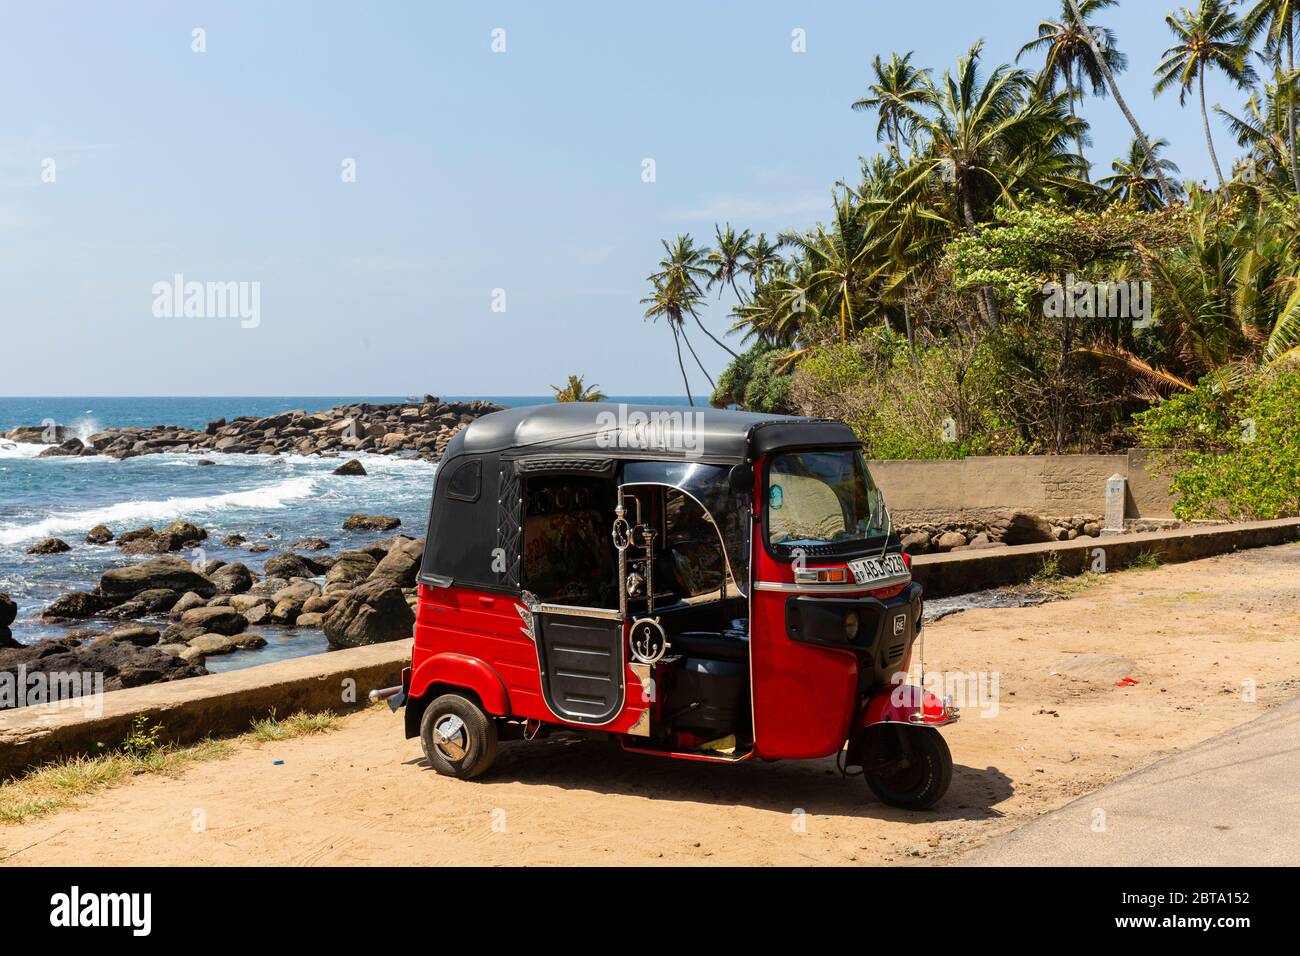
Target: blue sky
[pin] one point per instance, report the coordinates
(475, 171)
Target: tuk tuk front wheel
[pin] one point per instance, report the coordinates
(459, 739)
(908, 767)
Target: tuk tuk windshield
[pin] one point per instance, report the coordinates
(824, 500)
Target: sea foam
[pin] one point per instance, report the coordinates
(267, 497)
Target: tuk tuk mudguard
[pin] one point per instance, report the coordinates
(451, 672)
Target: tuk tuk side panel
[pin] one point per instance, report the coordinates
(803, 697)
(488, 627)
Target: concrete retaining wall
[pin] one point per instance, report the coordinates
(979, 488)
(191, 709)
(965, 571)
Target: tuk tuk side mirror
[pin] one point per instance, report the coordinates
(742, 479)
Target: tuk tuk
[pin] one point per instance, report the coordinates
(699, 584)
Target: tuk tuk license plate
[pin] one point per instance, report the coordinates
(870, 570)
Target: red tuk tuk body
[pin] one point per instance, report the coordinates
(694, 583)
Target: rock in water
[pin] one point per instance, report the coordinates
(100, 534)
(215, 620)
(121, 663)
(174, 574)
(372, 613)
(401, 564)
(350, 467)
(50, 546)
(350, 567)
(8, 610)
(78, 604)
(233, 578)
(360, 522)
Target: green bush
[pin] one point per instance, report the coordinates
(941, 403)
(1233, 452)
(753, 382)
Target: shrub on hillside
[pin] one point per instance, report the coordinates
(1233, 451)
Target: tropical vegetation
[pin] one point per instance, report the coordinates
(984, 288)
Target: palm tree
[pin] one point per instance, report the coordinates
(684, 268)
(672, 304)
(1070, 57)
(1280, 21)
(1261, 128)
(578, 391)
(1209, 36)
(989, 140)
(896, 82)
(727, 259)
(1133, 178)
(843, 260)
(761, 256)
(1100, 58)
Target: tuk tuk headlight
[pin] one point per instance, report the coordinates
(851, 624)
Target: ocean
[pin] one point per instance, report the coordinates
(275, 500)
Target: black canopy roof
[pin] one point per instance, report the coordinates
(640, 431)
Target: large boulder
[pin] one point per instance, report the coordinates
(290, 565)
(233, 578)
(50, 546)
(206, 645)
(217, 620)
(360, 522)
(174, 574)
(1020, 527)
(350, 568)
(139, 634)
(75, 605)
(918, 542)
(121, 663)
(187, 602)
(401, 564)
(351, 467)
(8, 610)
(100, 534)
(371, 613)
(153, 601)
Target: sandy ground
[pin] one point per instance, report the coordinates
(1193, 635)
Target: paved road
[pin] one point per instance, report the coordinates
(1231, 801)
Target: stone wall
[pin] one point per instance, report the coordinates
(977, 489)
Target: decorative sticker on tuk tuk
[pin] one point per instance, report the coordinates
(776, 498)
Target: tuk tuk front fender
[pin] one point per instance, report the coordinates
(905, 704)
(462, 671)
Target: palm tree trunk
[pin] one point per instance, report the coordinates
(1209, 137)
(681, 365)
(1165, 193)
(911, 335)
(1291, 105)
(711, 335)
(1078, 133)
(687, 340)
(989, 310)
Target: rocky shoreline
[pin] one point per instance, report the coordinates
(161, 618)
(413, 429)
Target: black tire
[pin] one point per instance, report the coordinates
(916, 770)
(467, 742)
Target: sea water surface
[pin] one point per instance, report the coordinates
(274, 500)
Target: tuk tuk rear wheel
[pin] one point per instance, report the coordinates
(908, 767)
(459, 739)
